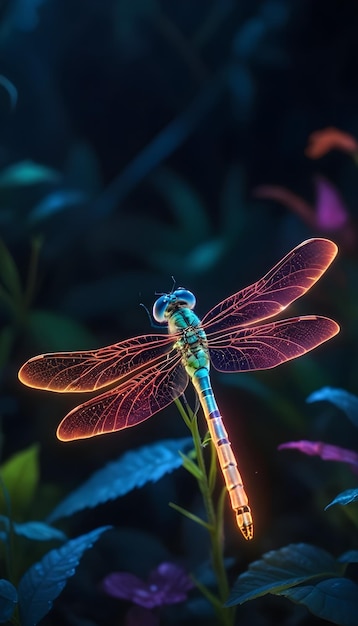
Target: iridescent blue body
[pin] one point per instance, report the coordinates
(176, 309)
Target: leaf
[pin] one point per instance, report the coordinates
(55, 202)
(38, 531)
(343, 400)
(44, 581)
(11, 90)
(134, 469)
(281, 569)
(351, 556)
(335, 600)
(345, 497)
(26, 173)
(52, 331)
(20, 475)
(8, 600)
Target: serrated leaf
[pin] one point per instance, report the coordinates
(343, 498)
(335, 600)
(27, 173)
(44, 581)
(35, 530)
(54, 332)
(343, 400)
(282, 569)
(8, 600)
(20, 475)
(134, 469)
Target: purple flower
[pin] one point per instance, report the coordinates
(167, 584)
(326, 451)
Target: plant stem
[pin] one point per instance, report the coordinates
(214, 516)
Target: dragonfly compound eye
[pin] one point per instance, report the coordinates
(160, 307)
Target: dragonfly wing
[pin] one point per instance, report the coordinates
(268, 345)
(93, 369)
(128, 404)
(284, 283)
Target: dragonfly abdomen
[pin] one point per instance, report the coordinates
(227, 460)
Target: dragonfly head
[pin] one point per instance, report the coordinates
(169, 302)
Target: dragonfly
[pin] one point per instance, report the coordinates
(148, 372)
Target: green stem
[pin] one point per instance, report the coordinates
(214, 516)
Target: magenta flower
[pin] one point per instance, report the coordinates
(329, 213)
(326, 451)
(167, 584)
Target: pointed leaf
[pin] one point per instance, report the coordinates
(44, 581)
(8, 600)
(191, 466)
(351, 556)
(343, 400)
(11, 90)
(133, 469)
(27, 173)
(55, 202)
(343, 498)
(335, 600)
(281, 569)
(37, 531)
(20, 475)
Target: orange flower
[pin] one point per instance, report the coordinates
(322, 141)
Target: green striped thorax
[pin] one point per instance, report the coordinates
(176, 310)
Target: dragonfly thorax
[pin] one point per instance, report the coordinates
(168, 303)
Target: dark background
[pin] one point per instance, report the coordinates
(156, 121)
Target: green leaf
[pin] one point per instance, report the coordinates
(191, 467)
(27, 173)
(335, 600)
(20, 475)
(345, 497)
(52, 332)
(282, 569)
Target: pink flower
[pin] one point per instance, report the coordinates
(322, 141)
(326, 451)
(167, 584)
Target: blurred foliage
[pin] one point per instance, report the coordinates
(133, 137)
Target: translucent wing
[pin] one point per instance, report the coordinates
(284, 283)
(94, 369)
(128, 404)
(268, 345)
